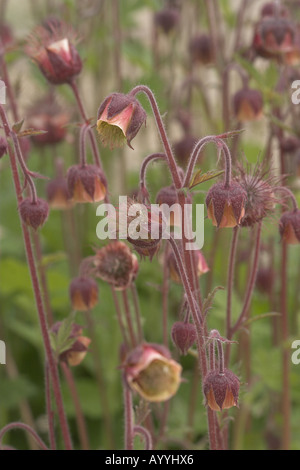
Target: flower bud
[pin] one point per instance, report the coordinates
(86, 183)
(3, 146)
(272, 9)
(34, 213)
(166, 19)
(119, 118)
(289, 227)
(274, 36)
(248, 104)
(115, 264)
(226, 206)
(183, 336)
(221, 390)
(265, 279)
(201, 49)
(74, 354)
(83, 293)
(150, 371)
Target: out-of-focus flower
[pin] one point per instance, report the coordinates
(115, 264)
(86, 183)
(167, 19)
(58, 195)
(119, 119)
(83, 293)
(226, 205)
(152, 373)
(48, 116)
(248, 104)
(274, 36)
(201, 49)
(183, 149)
(289, 227)
(51, 46)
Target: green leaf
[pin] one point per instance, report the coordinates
(61, 340)
(18, 126)
(199, 178)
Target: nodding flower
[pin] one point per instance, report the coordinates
(120, 117)
(152, 373)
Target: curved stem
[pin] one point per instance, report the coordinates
(25, 427)
(145, 163)
(83, 114)
(251, 284)
(230, 278)
(146, 435)
(23, 166)
(286, 190)
(162, 131)
(196, 152)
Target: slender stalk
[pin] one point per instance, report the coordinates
(130, 327)
(250, 286)
(286, 399)
(100, 380)
(83, 114)
(81, 425)
(137, 311)
(120, 318)
(230, 279)
(198, 321)
(128, 416)
(165, 297)
(162, 131)
(50, 413)
(145, 434)
(38, 295)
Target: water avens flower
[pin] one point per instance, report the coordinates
(119, 119)
(152, 373)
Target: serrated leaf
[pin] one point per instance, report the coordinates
(199, 178)
(29, 132)
(18, 126)
(209, 300)
(61, 340)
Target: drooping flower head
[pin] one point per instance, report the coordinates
(152, 373)
(289, 227)
(248, 104)
(120, 117)
(221, 390)
(51, 46)
(226, 205)
(86, 183)
(83, 293)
